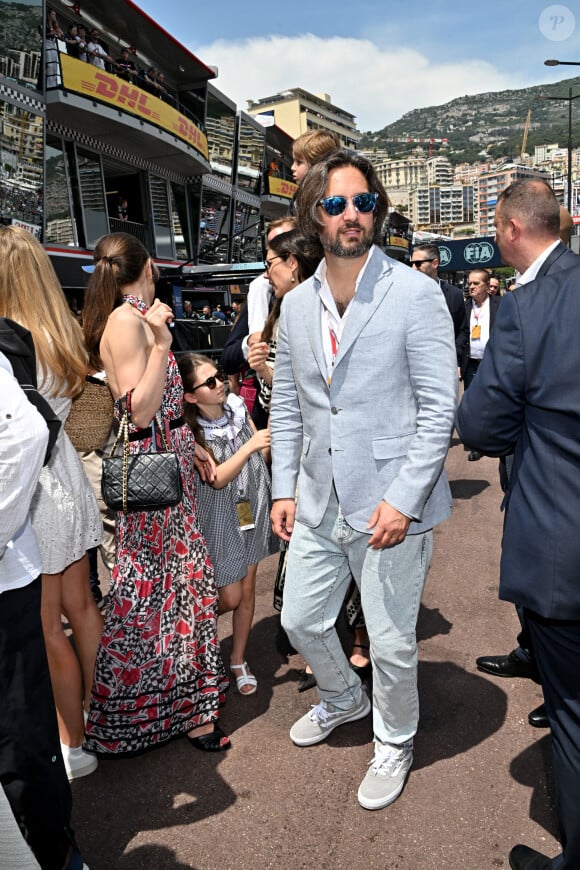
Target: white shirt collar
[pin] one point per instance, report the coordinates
(326, 296)
(532, 271)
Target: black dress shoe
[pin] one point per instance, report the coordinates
(283, 644)
(507, 666)
(307, 681)
(524, 858)
(537, 718)
(474, 455)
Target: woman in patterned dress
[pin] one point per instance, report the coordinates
(159, 672)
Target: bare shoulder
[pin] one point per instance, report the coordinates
(124, 344)
(126, 324)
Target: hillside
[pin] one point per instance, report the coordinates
(491, 123)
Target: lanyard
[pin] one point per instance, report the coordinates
(233, 442)
(333, 348)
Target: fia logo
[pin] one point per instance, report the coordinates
(444, 256)
(478, 252)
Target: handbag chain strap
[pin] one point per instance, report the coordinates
(125, 427)
(124, 434)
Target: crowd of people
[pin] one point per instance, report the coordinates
(86, 44)
(298, 455)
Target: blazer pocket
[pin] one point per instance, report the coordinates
(391, 448)
(305, 445)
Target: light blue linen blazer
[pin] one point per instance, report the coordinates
(381, 429)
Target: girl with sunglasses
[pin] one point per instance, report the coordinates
(234, 510)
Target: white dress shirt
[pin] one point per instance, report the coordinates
(23, 440)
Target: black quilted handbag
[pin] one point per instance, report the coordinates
(141, 481)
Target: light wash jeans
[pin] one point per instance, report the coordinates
(319, 566)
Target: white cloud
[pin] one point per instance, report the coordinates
(378, 85)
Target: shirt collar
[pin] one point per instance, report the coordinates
(320, 274)
(532, 271)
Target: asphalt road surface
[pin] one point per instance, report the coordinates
(479, 785)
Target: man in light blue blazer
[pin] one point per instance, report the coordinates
(365, 391)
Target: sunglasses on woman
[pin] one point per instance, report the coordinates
(211, 382)
(335, 205)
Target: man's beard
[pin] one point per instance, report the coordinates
(337, 249)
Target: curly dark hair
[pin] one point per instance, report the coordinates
(313, 188)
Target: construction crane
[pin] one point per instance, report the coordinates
(526, 131)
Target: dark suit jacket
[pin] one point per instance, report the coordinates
(560, 258)
(526, 399)
(232, 359)
(454, 299)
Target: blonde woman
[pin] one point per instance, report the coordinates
(65, 514)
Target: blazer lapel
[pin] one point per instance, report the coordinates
(551, 259)
(313, 326)
(371, 292)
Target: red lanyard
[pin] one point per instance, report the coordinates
(333, 348)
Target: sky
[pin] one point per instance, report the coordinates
(376, 59)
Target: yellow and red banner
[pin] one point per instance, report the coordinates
(398, 242)
(281, 187)
(84, 78)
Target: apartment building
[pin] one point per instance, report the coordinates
(297, 111)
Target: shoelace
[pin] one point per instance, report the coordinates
(319, 713)
(388, 763)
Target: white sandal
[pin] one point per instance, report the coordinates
(245, 679)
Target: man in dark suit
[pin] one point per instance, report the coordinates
(526, 399)
(531, 228)
(426, 259)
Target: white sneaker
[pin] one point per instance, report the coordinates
(317, 724)
(386, 775)
(77, 762)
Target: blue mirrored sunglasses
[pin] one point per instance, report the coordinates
(363, 202)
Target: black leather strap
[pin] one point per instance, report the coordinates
(146, 433)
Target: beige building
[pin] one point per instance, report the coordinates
(490, 185)
(441, 208)
(297, 111)
(439, 171)
(399, 176)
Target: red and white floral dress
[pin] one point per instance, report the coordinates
(159, 671)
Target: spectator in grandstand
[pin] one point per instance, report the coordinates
(161, 90)
(83, 40)
(52, 33)
(73, 43)
(97, 54)
(122, 208)
(126, 69)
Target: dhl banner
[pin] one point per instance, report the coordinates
(84, 78)
(398, 242)
(280, 187)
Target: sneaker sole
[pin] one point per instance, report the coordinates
(381, 803)
(86, 770)
(319, 738)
